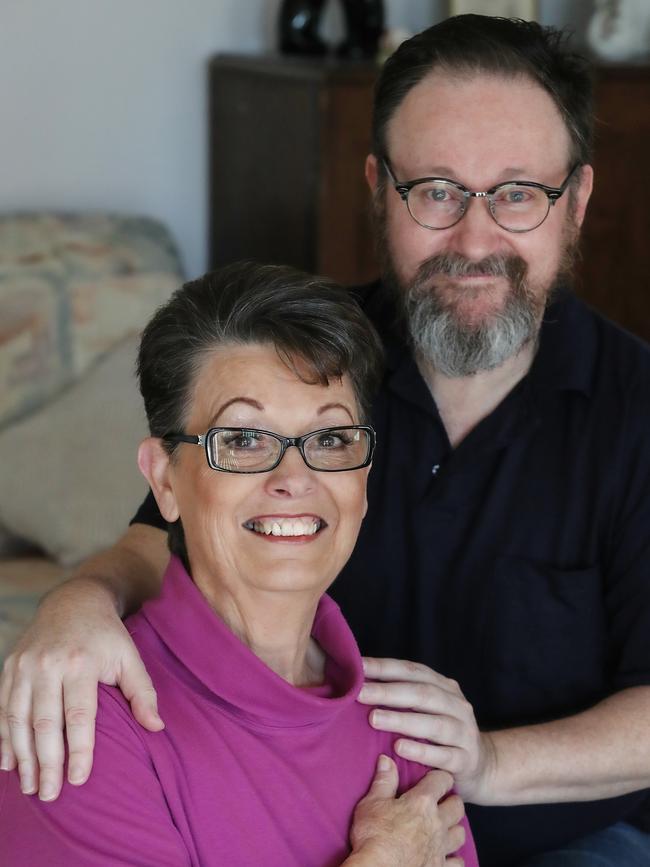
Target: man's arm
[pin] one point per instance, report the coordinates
(599, 753)
(75, 640)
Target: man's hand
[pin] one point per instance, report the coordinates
(50, 681)
(436, 711)
(414, 830)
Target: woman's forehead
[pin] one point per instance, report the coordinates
(254, 378)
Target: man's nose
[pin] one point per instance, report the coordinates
(477, 235)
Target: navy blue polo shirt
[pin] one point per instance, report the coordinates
(517, 563)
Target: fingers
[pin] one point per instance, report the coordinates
(425, 697)
(376, 668)
(19, 720)
(451, 812)
(450, 759)
(385, 781)
(7, 755)
(434, 785)
(138, 689)
(80, 708)
(440, 728)
(47, 725)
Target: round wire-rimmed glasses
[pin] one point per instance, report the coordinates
(251, 450)
(440, 203)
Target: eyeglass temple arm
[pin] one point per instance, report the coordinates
(555, 193)
(185, 438)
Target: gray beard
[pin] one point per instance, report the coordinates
(458, 349)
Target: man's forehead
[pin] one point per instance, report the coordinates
(450, 118)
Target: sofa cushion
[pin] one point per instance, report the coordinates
(71, 287)
(68, 473)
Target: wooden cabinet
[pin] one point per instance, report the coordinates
(614, 271)
(288, 139)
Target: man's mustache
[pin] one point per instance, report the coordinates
(455, 265)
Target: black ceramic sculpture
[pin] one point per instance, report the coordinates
(300, 19)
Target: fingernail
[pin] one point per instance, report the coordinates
(407, 750)
(4, 763)
(378, 717)
(384, 763)
(47, 792)
(363, 693)
(76, 775)
(27, 786)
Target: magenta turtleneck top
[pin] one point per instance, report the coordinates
(249, 771)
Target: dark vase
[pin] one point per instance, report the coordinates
(299, 20)
(364, 21)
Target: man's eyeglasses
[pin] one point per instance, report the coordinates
(248, 450)
(516, 206)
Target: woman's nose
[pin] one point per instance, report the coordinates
(292, 477)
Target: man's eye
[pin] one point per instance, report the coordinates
(437, 195)
(516, 196)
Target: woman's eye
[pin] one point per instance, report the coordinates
(332, 441)
(243, 440)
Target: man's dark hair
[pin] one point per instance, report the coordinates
(310, 321)
(471, 44)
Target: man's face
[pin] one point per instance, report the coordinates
(489, 285)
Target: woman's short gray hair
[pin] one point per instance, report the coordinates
(307, 319)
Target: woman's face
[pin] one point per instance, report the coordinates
(250, 387)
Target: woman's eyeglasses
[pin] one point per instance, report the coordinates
(249, 450)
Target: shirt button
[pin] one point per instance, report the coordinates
(434, 469)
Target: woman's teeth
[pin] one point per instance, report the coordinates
(285, 526)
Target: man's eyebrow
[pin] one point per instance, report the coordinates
(342, 406)
(241, 399)
(509, 173)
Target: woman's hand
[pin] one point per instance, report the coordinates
(412, 830)
(430, 707)
(50, 680)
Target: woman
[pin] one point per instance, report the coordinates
(266, 753)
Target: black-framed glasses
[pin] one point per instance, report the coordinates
(249, 450)
(439, 203)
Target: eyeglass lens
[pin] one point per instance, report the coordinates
(441, 204)
(241, 450)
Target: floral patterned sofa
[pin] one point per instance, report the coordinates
(75, 291)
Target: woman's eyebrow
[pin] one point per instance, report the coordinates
(342, 406)
(241, 399)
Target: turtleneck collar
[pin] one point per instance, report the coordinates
(235, 677)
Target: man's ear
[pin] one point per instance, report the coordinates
(154, 463)
(583, 193)
(372, 172)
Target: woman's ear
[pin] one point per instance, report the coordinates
(154, 463)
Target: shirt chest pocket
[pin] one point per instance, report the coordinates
(545, 637)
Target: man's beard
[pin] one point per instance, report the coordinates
(457, 346)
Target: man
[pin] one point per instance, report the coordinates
(506, 544)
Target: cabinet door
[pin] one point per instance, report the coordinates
(615, 264)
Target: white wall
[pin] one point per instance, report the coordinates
(103, 102)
